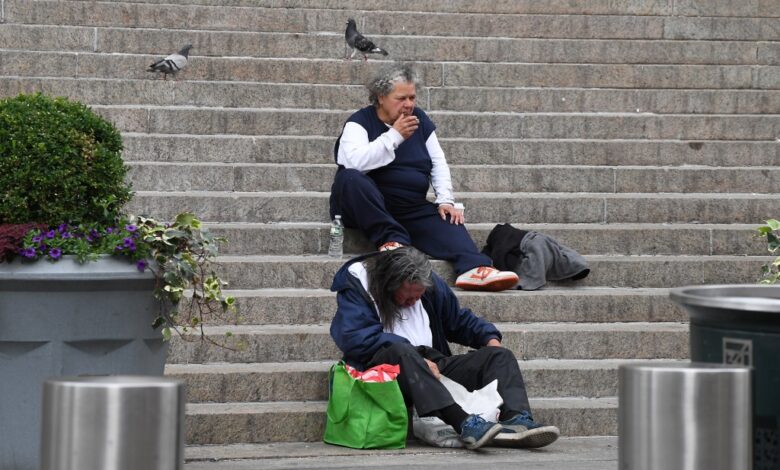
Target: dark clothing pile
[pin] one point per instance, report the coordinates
(535, 257)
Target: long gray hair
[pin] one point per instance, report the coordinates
(387, 77)
(387, 272)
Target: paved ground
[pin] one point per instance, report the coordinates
(588, 453)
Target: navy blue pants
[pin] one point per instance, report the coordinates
(356, 197)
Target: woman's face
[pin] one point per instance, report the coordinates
(408, 294)
(401, 100)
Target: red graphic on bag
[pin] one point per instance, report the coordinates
(380, 373)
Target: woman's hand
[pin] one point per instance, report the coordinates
(456, 215)
(406, 125)
(494, 342)
(434, 368)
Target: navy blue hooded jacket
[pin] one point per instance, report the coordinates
(358, 332)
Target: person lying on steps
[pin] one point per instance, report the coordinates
(393, 309)
(388, 155)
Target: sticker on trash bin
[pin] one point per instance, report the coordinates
(738, 351)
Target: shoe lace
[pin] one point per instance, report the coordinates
(484, 271)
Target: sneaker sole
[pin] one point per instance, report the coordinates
(487, 437)
(530, 439)
(492, 286)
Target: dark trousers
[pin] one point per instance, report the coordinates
(356, 197)
(473, 370)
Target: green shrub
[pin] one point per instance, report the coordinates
(770, 272)
(59, 162)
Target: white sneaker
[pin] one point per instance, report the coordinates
(487, 278)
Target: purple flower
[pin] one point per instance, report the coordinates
(94, 233)
(67, 235)
(51, 234)
(131, 228)
(89, 238)
(62, 228)
(141, 265)
(37, 238)
(109, 230)
(55, 253)
(128, 242)
(28, 252)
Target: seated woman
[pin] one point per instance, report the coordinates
(393, 309)
(388, 156)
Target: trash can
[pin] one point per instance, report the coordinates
(684, 416)
(113, 423)
(740, 325)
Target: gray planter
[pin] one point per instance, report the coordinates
(68, 319)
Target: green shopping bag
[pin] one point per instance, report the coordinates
(364, 415)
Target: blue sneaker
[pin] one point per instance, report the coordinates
(523, 431)
(477, 432)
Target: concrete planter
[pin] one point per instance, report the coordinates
(68, 319)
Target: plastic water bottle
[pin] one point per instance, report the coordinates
(336, 247)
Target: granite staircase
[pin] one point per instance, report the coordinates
(644, 134)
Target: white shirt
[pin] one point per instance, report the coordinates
(356, 152)
(414, 324)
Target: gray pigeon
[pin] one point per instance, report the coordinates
(171, 64)
(358, 42)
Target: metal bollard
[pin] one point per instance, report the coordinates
(684, 416)
(113, 423)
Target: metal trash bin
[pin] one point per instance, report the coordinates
(113, 423)
(740, 325)
(684, 416)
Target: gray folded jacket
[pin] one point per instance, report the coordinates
(544, 259)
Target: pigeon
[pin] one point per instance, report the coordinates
(358, 42)
(171, 64)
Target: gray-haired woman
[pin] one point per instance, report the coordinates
(393, 309)
(388, 156)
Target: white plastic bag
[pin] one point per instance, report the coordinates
(484, 402)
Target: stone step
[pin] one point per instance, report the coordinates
(340, 72)
(213, 206)
(571, 453)
(634, 76)
(149, 176)
(319, 149)
(760, 8)
(299, 20)
(307, 272)
(229, 423)
(282, 306)
(295, 343)
(300, 122)
(308, 381)
(480, 99)
(401, 47)
(591, 239)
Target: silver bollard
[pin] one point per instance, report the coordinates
(684, 416)
(113, 423)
